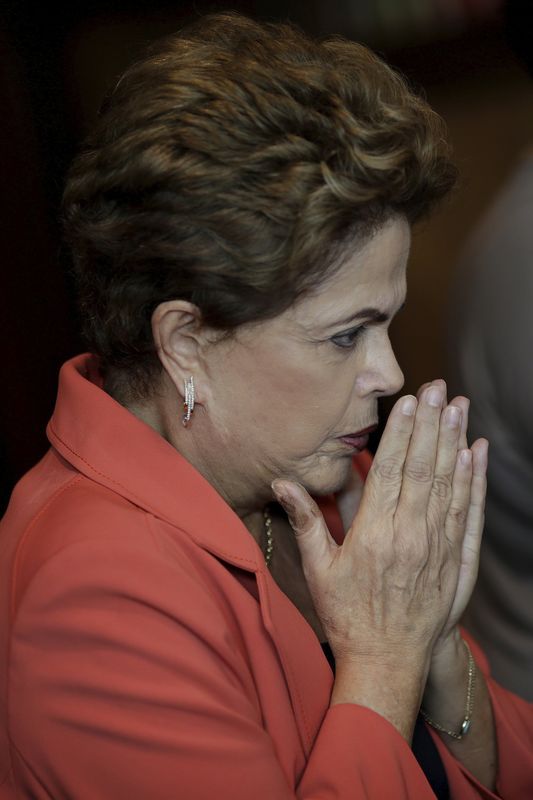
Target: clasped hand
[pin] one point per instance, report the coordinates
(406, 569)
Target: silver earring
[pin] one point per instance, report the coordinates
(188, 403)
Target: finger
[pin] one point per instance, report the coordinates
(442, 383)
(464, 404)
(437, 382)
(419, 469)
(457, 514)
(422, 390)
(312, 535)
(441, 491)
(476, 511)
(384, 480)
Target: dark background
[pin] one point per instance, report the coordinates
(57, 61)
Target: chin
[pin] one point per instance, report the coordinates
(329, 478)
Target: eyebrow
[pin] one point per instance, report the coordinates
(371, 314)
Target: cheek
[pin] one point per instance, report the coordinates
(286, 401)
(300, 406)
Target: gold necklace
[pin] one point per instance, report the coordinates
(269, 549)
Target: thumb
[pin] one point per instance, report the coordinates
(312, 535)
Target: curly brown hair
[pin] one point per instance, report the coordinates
(229, 168)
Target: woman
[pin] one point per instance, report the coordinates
(240, 225)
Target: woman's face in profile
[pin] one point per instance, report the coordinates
(283, 392)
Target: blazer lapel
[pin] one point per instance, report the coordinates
(307, 672)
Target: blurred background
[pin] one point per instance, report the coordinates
(56, 61)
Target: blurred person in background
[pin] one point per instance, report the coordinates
(491, 361)
(240, 223)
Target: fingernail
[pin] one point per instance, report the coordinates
(282, 496)
(434, 396)
(408, 405)
(452, 416)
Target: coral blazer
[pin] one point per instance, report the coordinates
(146, 653)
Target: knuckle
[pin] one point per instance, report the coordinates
(458, 515)
(388, 469)
(419, 470)
(412, 558)
(442, 486)
(409, 554)
(411, 542)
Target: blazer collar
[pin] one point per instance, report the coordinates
(111, 446)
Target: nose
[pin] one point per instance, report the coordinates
(381, 375)
(395, 378)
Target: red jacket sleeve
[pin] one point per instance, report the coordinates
(514, 730)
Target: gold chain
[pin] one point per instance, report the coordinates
(467, 721)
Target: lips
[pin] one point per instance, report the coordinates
(358, 440)
(370, 429)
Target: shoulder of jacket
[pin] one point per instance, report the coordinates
(83, 520)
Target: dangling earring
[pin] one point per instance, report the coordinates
(188, 404)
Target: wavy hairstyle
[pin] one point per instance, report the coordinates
(230, 167)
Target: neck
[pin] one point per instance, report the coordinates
(255, 522)
(168, 425)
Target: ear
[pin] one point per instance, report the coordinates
(180, 339)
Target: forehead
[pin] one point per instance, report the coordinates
(374, 275)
